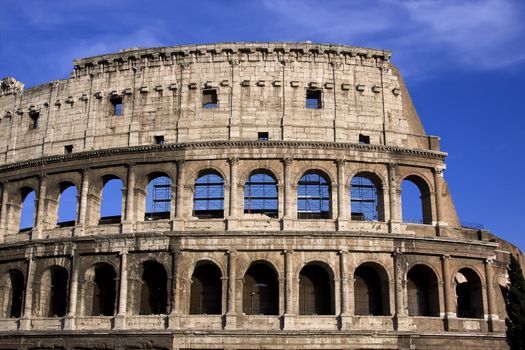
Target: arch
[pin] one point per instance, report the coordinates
(158, 197)
(260, 194)
(260, 290)
(154, 289)
(206, 289)
(469, 294)
(53, 292)
(208, 196)
(414, 209)
(266, 167)
(67, 204)
(111, 200)
(314, 196)
(316, 290)
(28, 209)
(422, 291)
(12, 294)
(371, 295)
(100, 290)
(366, 197)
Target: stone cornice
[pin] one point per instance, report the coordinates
(440, 156)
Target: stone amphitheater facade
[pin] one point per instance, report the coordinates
(208, 273)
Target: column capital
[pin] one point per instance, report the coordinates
(130, 165)
(232, 252)
(445, 257)
(287, 160)
(288, 251)
(490, 260)
(439, 170)
(340, 161)
(123, 252)
(233, 160)
(43, 178)
(343, 252)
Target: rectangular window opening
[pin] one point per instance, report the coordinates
(68, 149)
(159, 139)
(262, 136)
(118, 106)
(313, 99)
(209, 98)
(35, 120)
(364, 139)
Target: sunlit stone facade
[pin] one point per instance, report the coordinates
(259, 234)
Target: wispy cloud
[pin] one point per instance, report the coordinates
(473, 34)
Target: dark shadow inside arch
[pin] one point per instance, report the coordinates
(313, 196)
(371, 290)
(154, 295)
(12, 289)
(206, 290)
(208, 197)
(260, 291)
(104, 290)
(422, 291)
(315, 291)
(57, 302)
(469, 294)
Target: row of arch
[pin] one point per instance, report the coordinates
(260, 294)
(261, 194)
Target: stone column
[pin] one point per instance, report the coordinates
(82, 206)
(73, 293)
(129, 209)
(288, 289)
(40, 209)
(25, 322)
(120, 319)
(233, 217)
(491, 298)
(399, 285)
(345, 294)
(179, 204)
(175, 309)
(441, 226)
(448, 290)
(394, 225)
(3, 212)
(231, 314)
(288, 195)
(342, 209)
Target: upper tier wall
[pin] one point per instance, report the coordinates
(261, 87)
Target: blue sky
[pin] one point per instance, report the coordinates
(463, 61)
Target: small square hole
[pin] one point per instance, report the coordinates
(262, 136)
(313, 99)
(118, 106)
(68, 149)
(364, 139)
(34, 123)
(159, 140)
(209, 98)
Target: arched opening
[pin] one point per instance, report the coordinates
(422, 290)
(67, 205)
(315, 291)
(371, 290)
(53, 292)
(154, 291)
(366, 197)
(260, 291)
(158, 197)
(415, 201)
(111, 201)
(260, 195)
(313, 196)
(208, 198)
(469, 294)
(206, 290)
(27, 215)
(12, 294)
(103, 293)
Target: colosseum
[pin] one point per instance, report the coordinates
(235, 196)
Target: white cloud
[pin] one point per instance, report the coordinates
(473, 34)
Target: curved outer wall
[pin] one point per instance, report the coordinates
(261, 88)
